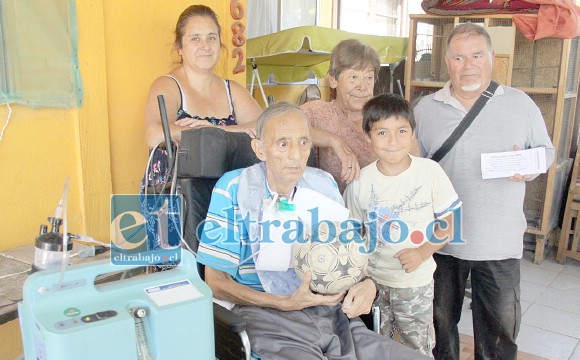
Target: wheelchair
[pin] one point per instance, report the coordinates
(203, 156)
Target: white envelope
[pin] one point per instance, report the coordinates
(509, 163)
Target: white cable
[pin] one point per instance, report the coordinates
(188, 248)
(14, 274)
(7, 118)
(62, 205)
(9, 256)
(182, 240)
(173, 192)
(90, 240)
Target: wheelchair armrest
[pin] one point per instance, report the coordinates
(231, 339)
(228, 319)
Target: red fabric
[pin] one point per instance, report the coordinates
(556, 18)
(477, 7)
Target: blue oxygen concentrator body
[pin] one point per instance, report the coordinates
(76, 319)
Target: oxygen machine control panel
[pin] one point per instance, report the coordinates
(101, 315)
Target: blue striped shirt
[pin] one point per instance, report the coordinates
(224, 244)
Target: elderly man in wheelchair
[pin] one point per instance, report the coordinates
(284, 318)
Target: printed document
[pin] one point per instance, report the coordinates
(509, 163)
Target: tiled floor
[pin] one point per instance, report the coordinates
(467, 350)
(550, 309)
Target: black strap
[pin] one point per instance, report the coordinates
(467, 120)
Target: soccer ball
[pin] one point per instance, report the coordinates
(335, 265)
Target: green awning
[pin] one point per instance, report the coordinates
(291, 54)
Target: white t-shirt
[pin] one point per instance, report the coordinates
(408, 204)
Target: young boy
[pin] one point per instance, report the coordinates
(398, 197)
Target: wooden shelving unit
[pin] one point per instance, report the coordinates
(547, 70)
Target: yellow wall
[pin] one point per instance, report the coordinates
(36, 155)
(139, 49)
(42, 147)
(123, 46)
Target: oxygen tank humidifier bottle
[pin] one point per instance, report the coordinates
(48, 249)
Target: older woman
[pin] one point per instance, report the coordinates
(337, 125)
(194, 95)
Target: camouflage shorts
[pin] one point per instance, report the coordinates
(410, 310)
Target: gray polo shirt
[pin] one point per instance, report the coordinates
(493, 220)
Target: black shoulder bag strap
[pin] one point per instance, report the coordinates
(467, 120)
